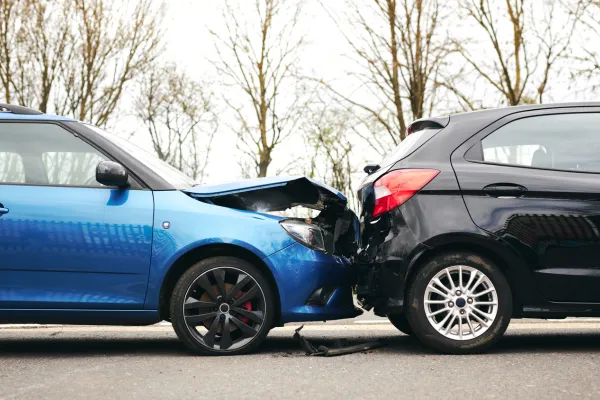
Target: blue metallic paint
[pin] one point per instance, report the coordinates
(82, 258)
(257, 183)
(67, 247)
(79, 316)
(22, 117)
(299, 271)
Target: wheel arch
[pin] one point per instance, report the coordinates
(504, 257)
(191, 257)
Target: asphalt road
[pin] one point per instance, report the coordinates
(534, 360)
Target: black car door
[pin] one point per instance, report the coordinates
(533, 180)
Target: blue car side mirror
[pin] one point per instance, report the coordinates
(111, 173)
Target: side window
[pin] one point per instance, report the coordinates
(11, 168)
(71, 168)
(46, 154)
(561, 141)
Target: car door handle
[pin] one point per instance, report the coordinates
(3, 210)
(505, 190)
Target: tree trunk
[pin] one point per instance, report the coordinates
(265, 160)
(396, 68)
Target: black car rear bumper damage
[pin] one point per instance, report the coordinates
(384, 264)
(381, 287)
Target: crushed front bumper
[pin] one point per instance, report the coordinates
(313, 286)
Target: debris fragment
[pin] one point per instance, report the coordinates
(338, 350)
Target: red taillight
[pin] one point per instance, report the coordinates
(396, 187)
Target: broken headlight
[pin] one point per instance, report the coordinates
(309, 235)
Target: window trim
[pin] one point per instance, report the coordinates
(476, 139)
(134, 182)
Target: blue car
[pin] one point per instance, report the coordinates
(94, 230)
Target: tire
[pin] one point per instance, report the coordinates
(475, 333)
(222, 306)
(401, 323)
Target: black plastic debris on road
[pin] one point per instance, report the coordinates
(338, 349)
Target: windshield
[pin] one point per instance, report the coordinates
(170, 174)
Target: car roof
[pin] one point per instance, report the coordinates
(500, 112)
(492, 114)
(9, 116)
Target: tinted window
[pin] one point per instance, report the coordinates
(11, 168)
(564, 141)
(46, 154)
(71, 168)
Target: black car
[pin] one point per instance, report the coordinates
(481, 217)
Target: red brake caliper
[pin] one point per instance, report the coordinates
(248, 307)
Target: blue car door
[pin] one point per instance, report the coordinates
(66, 241)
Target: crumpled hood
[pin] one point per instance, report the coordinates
(270, 194)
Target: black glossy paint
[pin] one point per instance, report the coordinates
(545, 237)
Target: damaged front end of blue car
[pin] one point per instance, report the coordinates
(314, 273)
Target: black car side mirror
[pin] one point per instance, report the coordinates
(111, 173)
(370, 168)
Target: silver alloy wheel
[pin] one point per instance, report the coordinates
(461, 302)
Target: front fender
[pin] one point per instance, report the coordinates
(193, 224)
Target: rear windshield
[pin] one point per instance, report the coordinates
(408, 145)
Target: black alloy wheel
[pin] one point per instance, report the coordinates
(222, 305)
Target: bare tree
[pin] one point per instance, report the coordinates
(43, 38)
(327, 133)
(10, 14)
(115, 45)
(518, 69)
(259, 58)
(588, 56)
(424, 49)
(179, 118)
(400, 48)
(75, 57)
